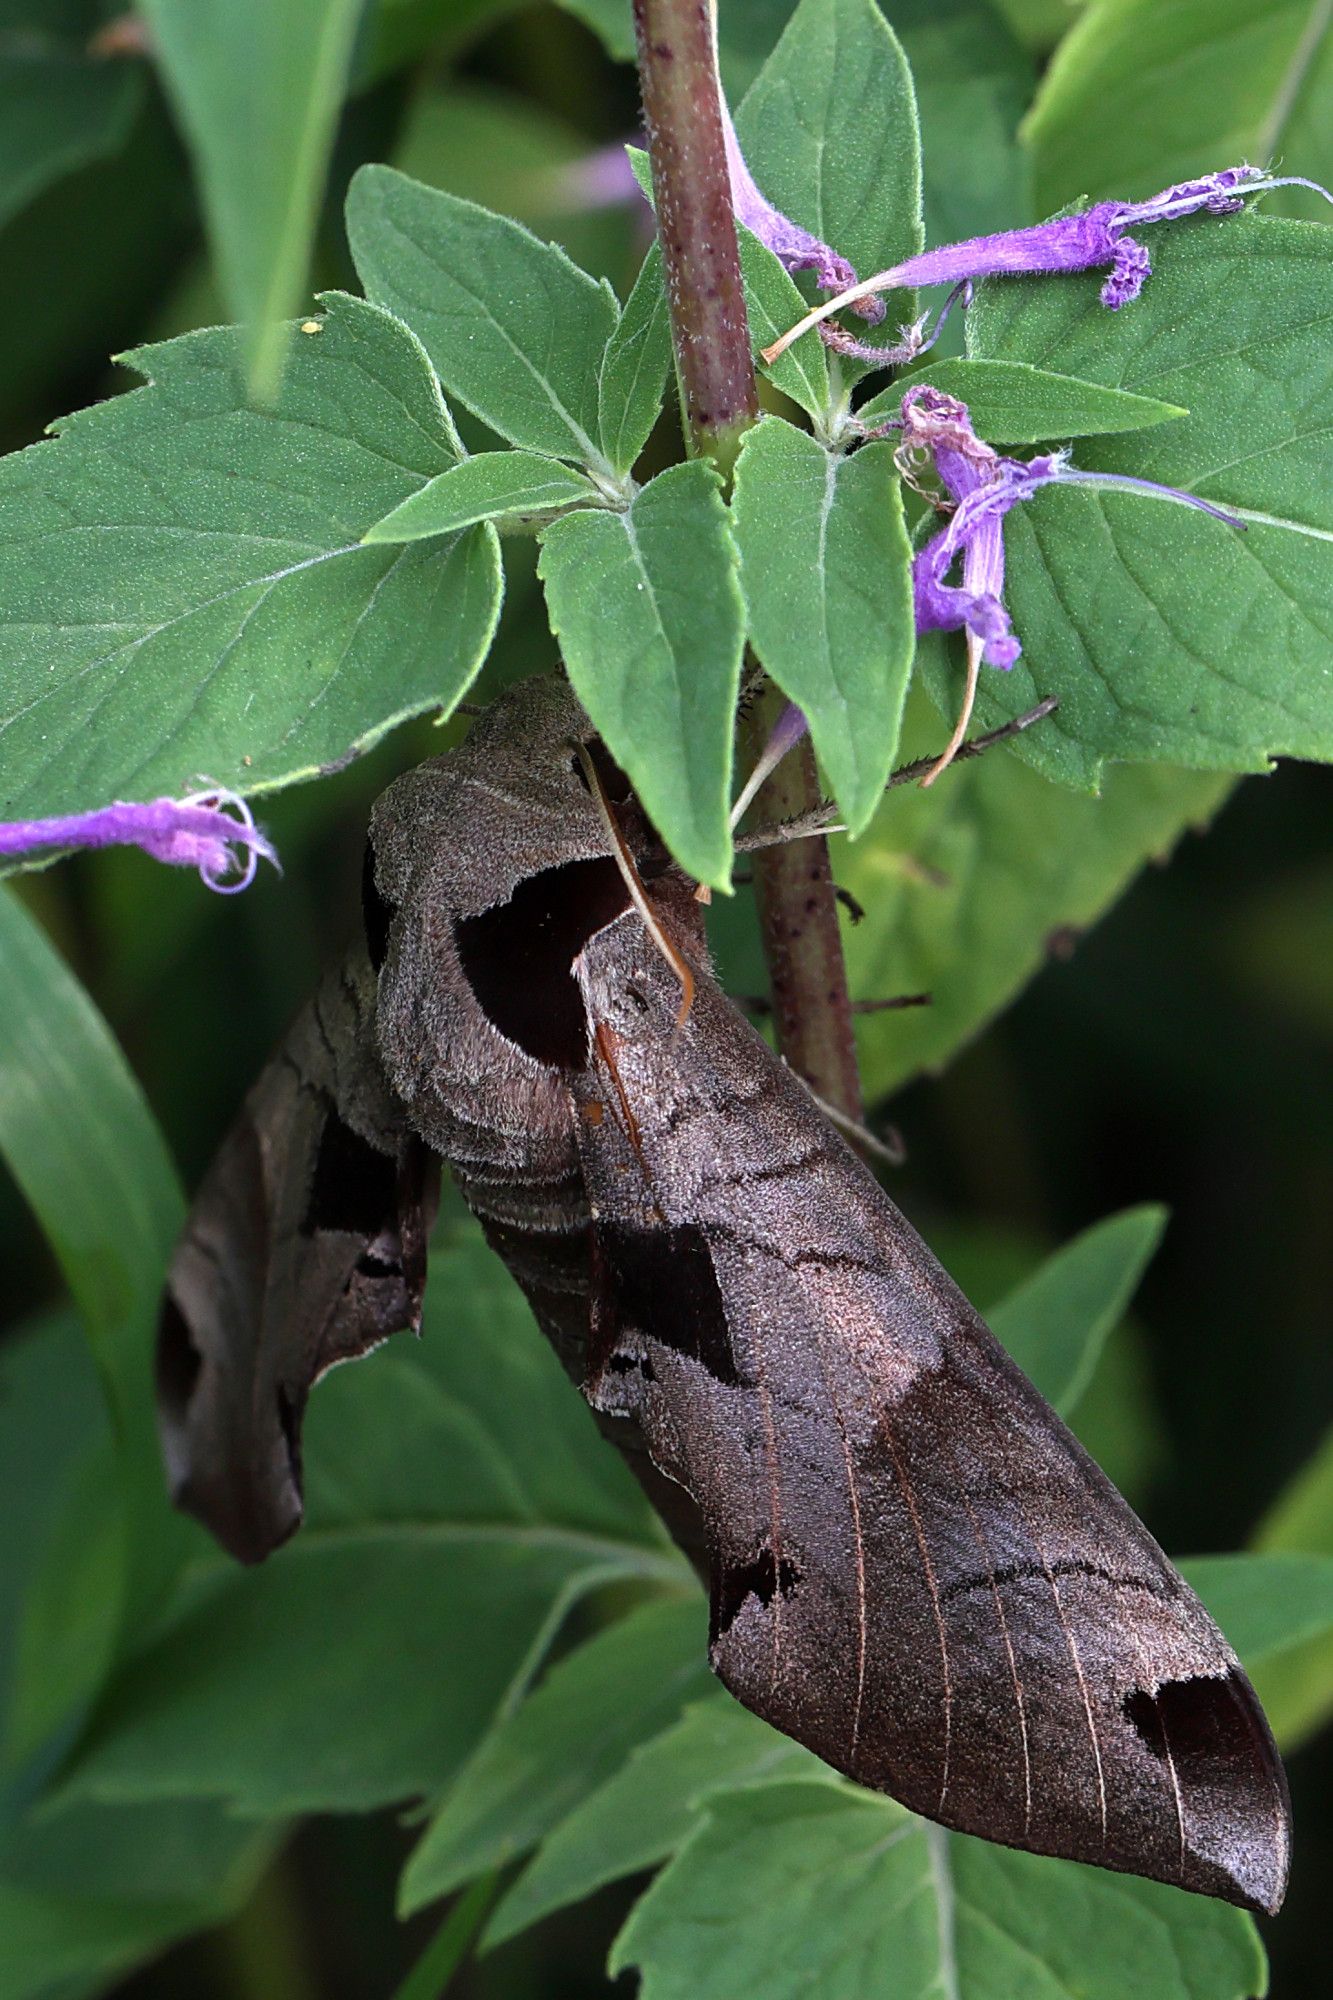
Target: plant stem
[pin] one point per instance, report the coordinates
(700, 258)
(719, 400)
(798, 916)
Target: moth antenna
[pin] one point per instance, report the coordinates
(633, 881)
(891, 1150)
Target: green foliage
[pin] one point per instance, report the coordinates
(485, 488)
(1013, 402)
(258, 85)
(61, 106)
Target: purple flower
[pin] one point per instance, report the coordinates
(983, 486)
(213, 831)
(1096, 238)
(795, 248)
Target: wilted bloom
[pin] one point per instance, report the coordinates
(937, 429)
(1086, 242)
(795, 248)
(213, 831)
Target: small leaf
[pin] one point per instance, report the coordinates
(258, 85)
(514, 328)
(183, 589)
(634, 367)
(648, 611)
(1298, 1687)
(484, 488)
(1277, 1611)
(967, 887)
(1055, 1325)
(1013, 403)
(540, 1764)
(644, 1811)
(794, 1889)
(826, 572)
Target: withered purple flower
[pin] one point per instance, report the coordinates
(983, 486)
(213, 831)
(795, 248)
(1097, 238)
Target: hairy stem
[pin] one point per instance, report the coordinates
(682, 115)
(711, 341)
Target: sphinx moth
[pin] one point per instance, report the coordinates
(913, 1566)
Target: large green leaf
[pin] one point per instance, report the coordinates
(457, 1490)
(539, 1765)
(80, 1140)
(826, 572)
(1056, 1324)
(1168, 635)
(793, 1889)
(515, 329)
(183, 588)
(61, 106)
(1210, 82)
(643, 1812)
(829, 132)
(648, 611)
(257, 85)
(973, 84)
(967, 885)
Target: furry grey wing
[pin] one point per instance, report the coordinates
(305, 1246)
(915, 1568)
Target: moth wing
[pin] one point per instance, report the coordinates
(306, 1246)
(916, 1570)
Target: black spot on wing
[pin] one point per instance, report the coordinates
(761, 1578)
(518, 957)
(178, 1360)
(354, 1187)
(663, 1283)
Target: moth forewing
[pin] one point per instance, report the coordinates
(916, 1570)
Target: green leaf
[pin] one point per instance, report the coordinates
(257, 85)
(515, 329)
(86, 1894)
(1266, 1604)
(648, 611)
(1013, 403)
(634, 367)
(1169, 636)
(454, 1491)
(826, 572)
(793, 1889)
(829, 132)
(644, 1811)
(60, 106)
(182, 581)
(79, 1139)
(973, 84)
(612, 20)
(538, 1765)
(1056, 1324)
(1210, 82)
(484, 488)
(966, 884)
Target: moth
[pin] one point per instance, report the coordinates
(913, 1566)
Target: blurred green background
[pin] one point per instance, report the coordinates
(1179, 1053)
